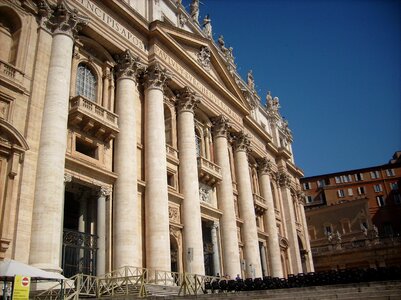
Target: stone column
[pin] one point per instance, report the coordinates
(216, 254)
(246, 206)
(192, 232)
(156, 194)
(126, 233)
(265, 170)
(225, 199)
(263, 259)
(48, 205)
(289, 219)
(308, 255)
(101, 230)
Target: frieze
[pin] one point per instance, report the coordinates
(109, 21)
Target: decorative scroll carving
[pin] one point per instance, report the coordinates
(174, 214)
(156, 77)
(221, 125)
(242, 142)
(187, 100)
(128, 65)
(64, 19)
(284, 179)
(265, 165)
(204, 57)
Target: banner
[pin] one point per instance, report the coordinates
(21, 287)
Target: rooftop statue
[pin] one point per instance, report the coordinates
(221, 43)
(194, 10)
(207, 26)
(250, 80)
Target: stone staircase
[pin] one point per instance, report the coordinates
(369, 291)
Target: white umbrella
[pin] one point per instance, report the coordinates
(10, 268)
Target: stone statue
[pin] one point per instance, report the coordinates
(221, 43)
(250, 80)
(207, 26)
(194, 10)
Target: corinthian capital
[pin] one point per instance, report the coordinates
(128, 65)
(65, 20)
(187, 100)
(156, 77)
(221, 125)
(242, 142)
(284, 179)
(104, 191)
(265, 165)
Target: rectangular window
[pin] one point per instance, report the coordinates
(380, 201)
(346, 178)
(359, 177)
(390, 172)
(378, 188)
(374, 174)
(341, 193)
(321, 183)
(307, 185)
(361, 190)
(350, 192)
(327, 229)
(397, 198)
(338, 179)
(308, 199)
(394, 186)
(86, 148)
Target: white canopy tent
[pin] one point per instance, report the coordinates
(9, 268)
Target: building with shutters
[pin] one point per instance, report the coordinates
(128, 138)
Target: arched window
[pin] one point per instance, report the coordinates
(168, 126)
(86, 82)
(10, 28)
(198, 141)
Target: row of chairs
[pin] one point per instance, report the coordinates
(344, 276)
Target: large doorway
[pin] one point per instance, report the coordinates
(79, 238)
(208, 248)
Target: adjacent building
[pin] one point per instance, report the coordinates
(128, 138)
(354, 216)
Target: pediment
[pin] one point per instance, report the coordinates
(206, 60)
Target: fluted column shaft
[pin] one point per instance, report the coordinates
(156, 195)
(126, 233)
(193, 245)
(289, 218)
(247, 209)
(276, 268)
(228, 223)
(49, 189)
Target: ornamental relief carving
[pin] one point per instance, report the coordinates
(242, 142)
(265, 165)
(174, 214)
(284, 179)
(204, 57)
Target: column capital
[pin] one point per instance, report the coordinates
(187, 100)
(128, 65)
(265, 166)
(67, 178)
(221, 125)
(284, 179)
(104, 191)
(242, 142)
(63, 20)
(156, 77)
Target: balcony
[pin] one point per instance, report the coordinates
(260, 206)
(209, 173)
(92, 118)
(172, 153)
(10, 75)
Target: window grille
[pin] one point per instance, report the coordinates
(86, 83)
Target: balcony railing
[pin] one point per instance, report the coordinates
(209, 172)
(172, 152)
(91, 117)
(260, 204)
(10, 73)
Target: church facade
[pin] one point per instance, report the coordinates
(128, 138)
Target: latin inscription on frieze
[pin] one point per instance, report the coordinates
(108, 20)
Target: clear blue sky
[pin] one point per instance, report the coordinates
(334, 64)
